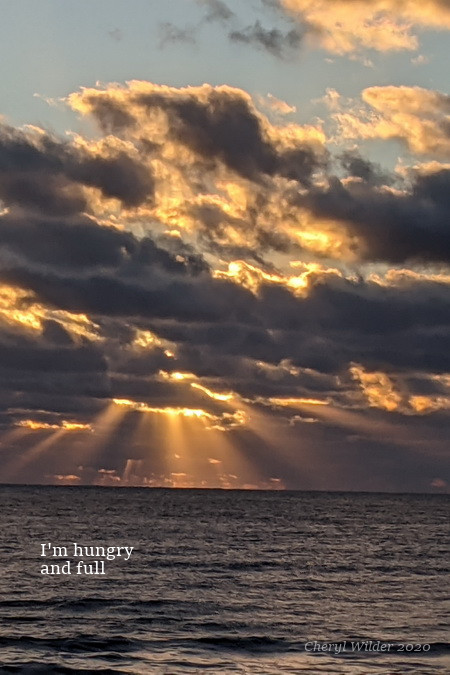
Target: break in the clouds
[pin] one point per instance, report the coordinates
(223, 299)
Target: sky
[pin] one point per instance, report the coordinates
(225, 244)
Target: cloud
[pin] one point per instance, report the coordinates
(439, 483)
(216, 10)
(219, 164)
(283, 44)
(116, 34)
(215, 138)
(182, 298)
(419, 118)
(199, 264)
(345, 26)
(388, 224)
(214, 123)
(276, 105)
(45, 174)
(169, 34)
(381, 392)
(279, 44)
(357, 166)
(28, 357)
(78, 242)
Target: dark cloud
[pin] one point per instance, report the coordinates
(224, 127)
(336, 323)
(282, 44)
(357, 166)
(187, 299)
(217, 10)
(54, 332)
(77, 242)
(112, 116)
(81, 242)
(54, 195)
(392, 226)
(29, 357)
(278, 43)
(120, 177)
(43, 173)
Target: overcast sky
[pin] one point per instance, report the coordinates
(225, 243)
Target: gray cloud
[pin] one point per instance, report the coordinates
(359, 167)
(281, 44)
(43, 173)
(217, 10)
(392, 226)
(171, 34)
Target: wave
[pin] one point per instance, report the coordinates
(81, 643)
(37, 668)
(246, 643)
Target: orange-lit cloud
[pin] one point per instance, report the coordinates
(19, 308)
(205, 185)
(291, 402)
(35, 425)
(378, 389)
(407, 278)
(217, 396)
(417, 117)
(381, 392)
(276, 105)
(345, 26)
(439, 483)
(252, 277)
(65, 479)
(221, 421)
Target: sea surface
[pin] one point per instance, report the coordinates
(224, 582)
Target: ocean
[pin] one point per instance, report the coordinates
(223, 582)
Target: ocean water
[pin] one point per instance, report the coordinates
(224, 582)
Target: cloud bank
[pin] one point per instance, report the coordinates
(199, 272)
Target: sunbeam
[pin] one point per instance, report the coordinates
(30, 455)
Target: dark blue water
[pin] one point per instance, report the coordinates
(225, 582)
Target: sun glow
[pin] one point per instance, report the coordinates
(294, 402)
(176, 376)
(19, 308)
(35, 425)
(212, 394)
(220, 421)
(183, 377)
(253, 278)
(168, 410)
